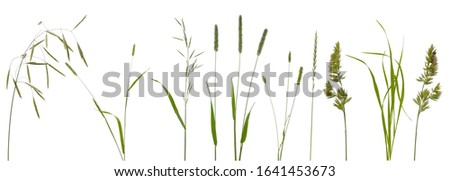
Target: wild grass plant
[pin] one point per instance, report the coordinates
(314, 66)
(190, 57)
(287, 115)
(40, 55)
(426, 94)
(390, 101)
(339, 94)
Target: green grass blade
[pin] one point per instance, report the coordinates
(47, 76)
(213, 124)
(82, 54)
(137, 79)
(71, 69)
(35, 63)
(133, 50)
(7, 78)
(122, 141)
(172, 102)
(66, 46)
(233, 101)
(49, 54)
(55, 69)
(28, 74)
(36, 109)
(99, 109)
(17, 88)
(245, 128)
(78, 24)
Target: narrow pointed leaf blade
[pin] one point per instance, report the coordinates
(78, 24)
(173, 104)
(233, 102)
(36, 109)
(136, 80)
(213, 124)
(245, 128)
(82, 54)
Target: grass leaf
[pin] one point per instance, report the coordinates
(36, 109)
(48, 53)
(17, 88)
(213, 124)
(133, 50)
(71, 69)
(47, 76)
(51, 66)
(78, 24)
(7, 78)
(233, 102)
(139, 77)
(172, 102)
(245, 128)
(82, 54)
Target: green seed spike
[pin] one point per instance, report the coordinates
(216, 38)
(240, 34)
(261, 43)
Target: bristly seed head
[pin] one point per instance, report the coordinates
(335, 64)
(240, 34)
(430, 70)
(216, 38)
(300, 75)
(261, 43)
(289, 57)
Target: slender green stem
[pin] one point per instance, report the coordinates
(415, 137)
(275, 121)
(215, 153)
(215, 98)
(311, 128)
(345, 132)
(240, 151)
(237, 97)
(286, 125)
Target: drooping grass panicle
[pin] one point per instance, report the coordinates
(338, 93)
(314, 66)
(32, 60)
(246, 117)
(426, 94)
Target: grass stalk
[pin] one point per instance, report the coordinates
(312, 97)
(426, 94)
(338, 93)
(246, 116)
(35, 43)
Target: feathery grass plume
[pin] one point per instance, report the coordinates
(234, 98)
(190, 57)
(30, 59)
(426, 94)
(390, 102)
(314, 66)
(287, 116)
(339, 94)
(246, 117)
(214, 107)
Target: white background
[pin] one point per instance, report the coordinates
(71, 141)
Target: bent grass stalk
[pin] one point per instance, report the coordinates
(246, 117)
(338, 93)
(29, 58)
(287, 117)
(389, 102)
(120, 126)
(425, 94)
(191, 65)
(314, 66)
